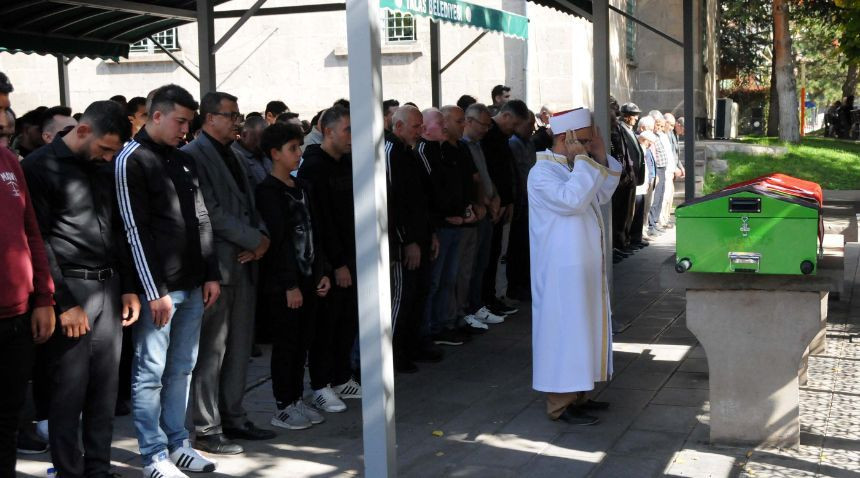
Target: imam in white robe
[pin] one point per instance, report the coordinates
(572, 335)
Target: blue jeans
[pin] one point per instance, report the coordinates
(482, 259)
(161, 373)
(443, 278)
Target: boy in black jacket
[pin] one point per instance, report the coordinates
(292, 275)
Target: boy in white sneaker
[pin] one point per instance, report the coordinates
(292, 276)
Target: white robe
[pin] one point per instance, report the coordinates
(571, 331)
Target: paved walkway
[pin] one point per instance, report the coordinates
(475, 414)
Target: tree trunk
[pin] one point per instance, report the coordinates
(851, 80)
(783, 62)
(773, 104)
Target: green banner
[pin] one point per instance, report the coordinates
(462, 13)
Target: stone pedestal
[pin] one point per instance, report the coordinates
(756, 332)
(754, 341)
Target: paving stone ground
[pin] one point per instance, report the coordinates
(492, 423)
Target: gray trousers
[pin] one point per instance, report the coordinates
(218, 381)
(468, 250)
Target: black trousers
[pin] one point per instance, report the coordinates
(638, 218)
(83, 374)
(517, 268)
(16, 355)
(489, 285)
(408, 315)
(293, 333)
(337, 321)
(622, 211)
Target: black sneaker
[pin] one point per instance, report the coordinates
(30, 445)
(449, 337)
(594, 405)
(500, 308)
(574, 416)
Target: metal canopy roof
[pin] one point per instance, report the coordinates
(106, 28)
(87, 28)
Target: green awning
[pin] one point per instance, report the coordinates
(457, 12)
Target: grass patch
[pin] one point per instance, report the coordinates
(832, 163)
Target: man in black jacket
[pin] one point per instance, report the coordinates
(500, 164)
(227, 333)
(629, 117)
(328, 169)
(73, 193)
(168, 228)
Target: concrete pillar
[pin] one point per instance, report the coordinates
(205, 45)
(755, 341)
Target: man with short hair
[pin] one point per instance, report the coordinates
(273, 109)
(247, 148)
(170, 234)
(56, 119)
(29, 129)
(466, 101)
(500, 95)
(475, 251)
(328, 168)
(571, 330)
(227, 333)
(388, 109)
(73, 191)
(135, 109)
(26, 293)
(500, 164)
(517, 264)
(406, 257)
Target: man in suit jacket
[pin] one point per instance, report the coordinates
(226, 337)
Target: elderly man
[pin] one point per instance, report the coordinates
(247, 148)
(629, 115)
(661, 129)
(572, 335)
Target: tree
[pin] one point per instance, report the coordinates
(783, 68)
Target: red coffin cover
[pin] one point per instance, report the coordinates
(785, 184)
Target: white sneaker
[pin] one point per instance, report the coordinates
(162, 467)
(473, 322)
(349, 389)
(314, 416)
(188, 459)
(291, 418)
(326, 400)
(42, 430)
(487, 317)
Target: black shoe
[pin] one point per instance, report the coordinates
(30, 445)
(500, 308)
(640, 244)
(402, 364)
(256, 351)
(593, 405)
(629, 250)
(430, 353)
(249, 432)
(217, 445)
(449, 337)
(621, 253)
(572, 416)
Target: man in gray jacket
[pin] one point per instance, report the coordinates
(226, 337)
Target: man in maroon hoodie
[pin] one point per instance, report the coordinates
(26, 296)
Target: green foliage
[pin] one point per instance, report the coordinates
(832, 163)
(745, 38)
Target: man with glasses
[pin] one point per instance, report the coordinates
(227, 334)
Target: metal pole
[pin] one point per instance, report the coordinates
(435, 62)
(63, 76)
(689, 104)
(205, 42)
(173, 57)
(601, 56)
(526, 97)
(371, 237)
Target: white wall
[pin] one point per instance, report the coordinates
(301, 59)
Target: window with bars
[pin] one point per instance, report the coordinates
(168, 39)
(630, 8)
(399, 27)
